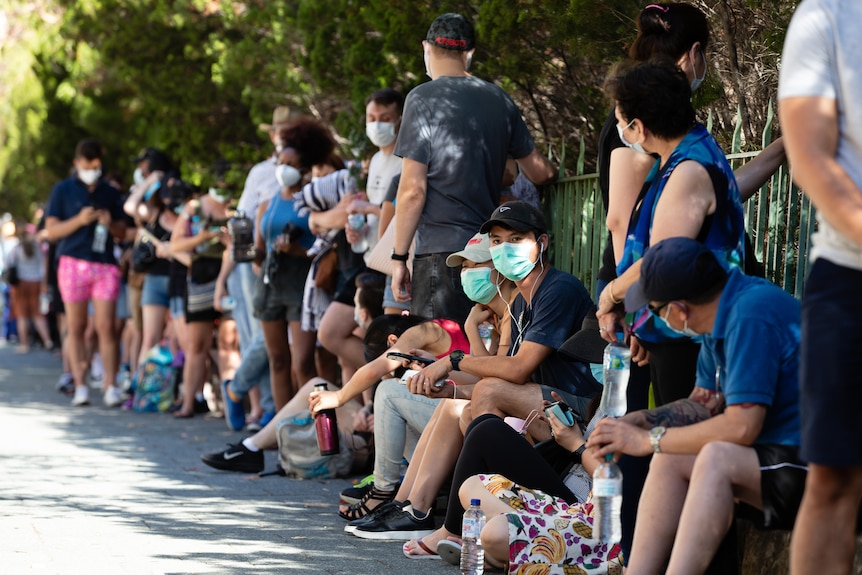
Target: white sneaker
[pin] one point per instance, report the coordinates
(112, 397)
(82, 396)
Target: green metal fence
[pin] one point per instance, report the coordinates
(779, 219)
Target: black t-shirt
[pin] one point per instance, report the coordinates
(557, 312)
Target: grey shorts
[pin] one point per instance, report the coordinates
(281, 298)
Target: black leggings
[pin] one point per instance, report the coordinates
(492, 446)
(673, 367)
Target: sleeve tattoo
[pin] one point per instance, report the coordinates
(701, 405)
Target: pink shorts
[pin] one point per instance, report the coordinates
(82, 281)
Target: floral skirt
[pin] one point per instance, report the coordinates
(547, 536)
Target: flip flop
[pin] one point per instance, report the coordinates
(429, 554)
(449, 551)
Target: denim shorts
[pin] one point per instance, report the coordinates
(155, 291)
(178, 306)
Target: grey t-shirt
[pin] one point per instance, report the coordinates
(462, 128)
(822, 53)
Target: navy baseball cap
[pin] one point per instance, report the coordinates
(516, 215)
(452, 31)
(674, 269)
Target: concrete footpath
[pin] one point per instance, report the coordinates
(95, 490)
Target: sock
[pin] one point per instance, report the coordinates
(249, 444)
(416, 515)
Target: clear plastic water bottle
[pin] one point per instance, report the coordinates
(45, 301)
(486, 332)
(360, 226)
(472, 554)
(617, 365)
(227, 303)
(100, 239)
(607, 501)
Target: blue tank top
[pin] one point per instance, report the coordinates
(278, 215)
(723, 231)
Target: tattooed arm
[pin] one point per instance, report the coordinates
(691, 423)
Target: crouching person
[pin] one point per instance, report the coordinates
(736, 438)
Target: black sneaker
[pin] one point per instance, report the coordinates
(237, 457)
(378, 512)
(397, 524)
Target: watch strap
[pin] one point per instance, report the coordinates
(399, 257)
(578, 453)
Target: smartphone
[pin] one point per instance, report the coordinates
(416, 358)
(411, 372)
(215, 229)
(562, 412)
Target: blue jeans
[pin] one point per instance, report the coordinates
(399, 419)
(437, 292)
(240, 285)
(254, 370)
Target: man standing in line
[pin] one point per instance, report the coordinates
(819, 92)
(456, 133)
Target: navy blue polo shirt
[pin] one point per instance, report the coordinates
(67, 199)
(752, 354)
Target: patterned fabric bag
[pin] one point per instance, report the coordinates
(153, 383)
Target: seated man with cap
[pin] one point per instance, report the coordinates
(736, 438)
(550, 307)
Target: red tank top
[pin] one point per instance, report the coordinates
(456, 336)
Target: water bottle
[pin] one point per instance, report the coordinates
(241, 229)
(326, 425)
(486, 332)
(45, 301)
(227, 303)
(607, 501)
(617, 364)
(472, 554)
(100, 239)
(360, 225)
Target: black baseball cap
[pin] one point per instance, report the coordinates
(517, 215)
(452, 31)
(158, 160)
(674, 269)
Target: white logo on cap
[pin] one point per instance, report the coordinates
(505, 209)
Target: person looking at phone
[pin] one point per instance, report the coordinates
(733, 443)
(550, 307)
(78, 208)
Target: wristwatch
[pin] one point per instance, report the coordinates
(455, 358)
(655, 435)
(399, 257)
(578, 453)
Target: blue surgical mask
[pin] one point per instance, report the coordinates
(513, 260)
(476, 283)
(636, 146)
(696, 82)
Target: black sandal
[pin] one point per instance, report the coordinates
(360, 510)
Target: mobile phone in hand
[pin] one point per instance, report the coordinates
(407, 356)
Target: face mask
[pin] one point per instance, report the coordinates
(356, 318)
(279, 146)
(218, 195)
(636, 146)
(686, 331)
(428, 62)
(513, 260)
(287, 176)
(138, 177)
(381, 134)
(89, 177)
(695, 84)
(476, 283)
(469, 60)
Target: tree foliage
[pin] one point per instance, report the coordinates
(195, 77)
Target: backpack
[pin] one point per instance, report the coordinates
(153, 383)
(299, 456)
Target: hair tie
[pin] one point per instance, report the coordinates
(657, 7)
(405, 312)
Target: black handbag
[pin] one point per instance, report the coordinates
(10, 275)
(143, 255)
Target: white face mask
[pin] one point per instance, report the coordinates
(428, 62)
(218, 195)
(287, 175)
(89, 177)
(469, 60)
(686, 331)
(138, 177)
(696, 82)
(381, 134)
(636, 146)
